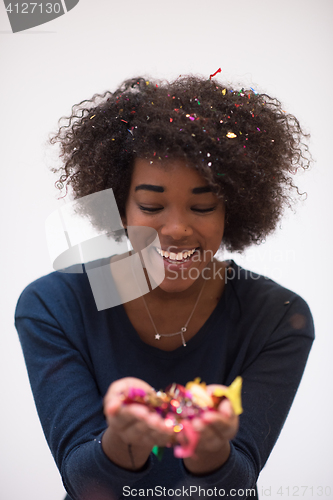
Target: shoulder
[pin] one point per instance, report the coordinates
(55, 292)
(257, 299)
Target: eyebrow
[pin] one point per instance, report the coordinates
(150, 187)
(160, 189)
(202, 189)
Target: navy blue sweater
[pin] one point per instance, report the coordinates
(73, 352)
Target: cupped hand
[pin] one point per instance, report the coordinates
(134, 423)
(216, 427)
(215, 430)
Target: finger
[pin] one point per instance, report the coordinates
(212, 387)
(128, 415)
(135, 422)
(226, 409)
(143, 433)
(211, 436)
(112, 405)
(120, 387)
(222, 424)
(126, 383)
(224, 413)
(224, 427)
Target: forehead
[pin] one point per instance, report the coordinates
(166, 173)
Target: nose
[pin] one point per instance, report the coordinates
(176, 227)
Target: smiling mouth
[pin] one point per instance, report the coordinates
(176, 258)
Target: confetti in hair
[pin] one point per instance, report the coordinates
(205, 113)
(217, 71)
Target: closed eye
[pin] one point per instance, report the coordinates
(204, 210)
(199, 210)
(149, 209)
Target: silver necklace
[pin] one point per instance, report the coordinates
(183, 328)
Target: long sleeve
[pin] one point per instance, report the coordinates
(272, 369)
(68, 401)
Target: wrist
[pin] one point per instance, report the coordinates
(206, 462)
(127, 456)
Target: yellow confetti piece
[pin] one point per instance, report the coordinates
(231, 135)
(93, 116)
(224, 91)
(233, 393)
(177, 428)
(199, 394)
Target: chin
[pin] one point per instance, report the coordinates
(176, 285)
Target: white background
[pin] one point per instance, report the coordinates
(282, 47)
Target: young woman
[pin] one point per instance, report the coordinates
(207, 167)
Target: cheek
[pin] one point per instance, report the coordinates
(135, 217)
(132, 214)
(214, 226)
(216, 231)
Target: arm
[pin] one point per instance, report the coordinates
(69, 403)
(270, 382)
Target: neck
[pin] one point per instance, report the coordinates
(190, 293)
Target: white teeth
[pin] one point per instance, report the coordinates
(174, 256)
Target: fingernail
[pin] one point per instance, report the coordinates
(111, 408)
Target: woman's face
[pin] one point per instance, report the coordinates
(177, 202)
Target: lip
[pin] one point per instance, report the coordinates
(178, 249)
(181, 264)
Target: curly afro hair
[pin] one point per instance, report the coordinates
(242, 142)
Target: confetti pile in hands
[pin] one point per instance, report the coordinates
(178, 405)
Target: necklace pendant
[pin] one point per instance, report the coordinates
(157, 336)
(183, 329)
